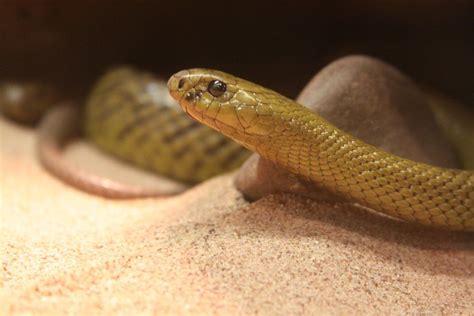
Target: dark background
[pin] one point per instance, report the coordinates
(280, 44)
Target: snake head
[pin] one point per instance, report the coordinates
(233, 106)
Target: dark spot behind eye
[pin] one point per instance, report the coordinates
(192, 96)
(189, 96)
(181, 83)
(216, 88)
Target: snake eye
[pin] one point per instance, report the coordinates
(216, 88)
(181, 83)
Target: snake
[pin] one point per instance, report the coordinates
(303, 143)
(128, 115)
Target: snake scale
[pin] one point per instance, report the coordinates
(128, 115)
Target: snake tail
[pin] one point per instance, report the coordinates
(56, 129)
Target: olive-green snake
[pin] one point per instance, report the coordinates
(303, 143)
(129, 114)
(277, 128)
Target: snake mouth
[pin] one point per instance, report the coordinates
(176, 85)
(186, 101)
(182, 88)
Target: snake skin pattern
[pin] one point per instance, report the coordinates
(130, 114)
(287, 133)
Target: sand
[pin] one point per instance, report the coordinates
(208, 251)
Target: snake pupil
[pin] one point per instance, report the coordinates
(216, 88)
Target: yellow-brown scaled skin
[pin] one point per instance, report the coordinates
(303, 143)
(130, 114)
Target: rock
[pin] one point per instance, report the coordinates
(372, 101)
(259, 177)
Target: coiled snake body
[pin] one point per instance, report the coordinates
(130, 114)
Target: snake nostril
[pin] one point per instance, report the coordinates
(181, 83)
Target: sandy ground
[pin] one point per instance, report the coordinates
(208, 251)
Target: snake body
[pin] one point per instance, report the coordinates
(303, 143)
(131, 115)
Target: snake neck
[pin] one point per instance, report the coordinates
(307, 145)
(312, 148)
